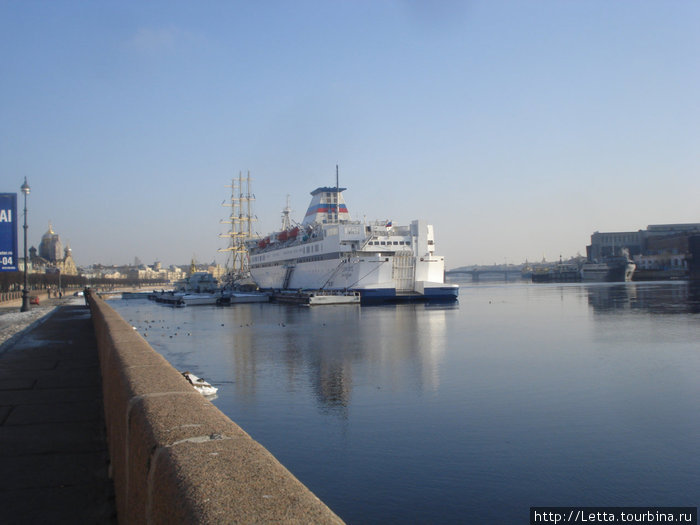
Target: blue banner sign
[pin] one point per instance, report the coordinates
(8, 233)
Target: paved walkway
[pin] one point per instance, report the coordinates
(53, 454)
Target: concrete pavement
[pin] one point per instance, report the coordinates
(53, 452)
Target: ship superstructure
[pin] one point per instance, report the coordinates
(329, 251)
(613, 268)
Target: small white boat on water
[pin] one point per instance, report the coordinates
(199, 384)
(244, 297)
(318, 297)
(193, 299)
(201, 288)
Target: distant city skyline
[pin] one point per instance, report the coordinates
(517, 129)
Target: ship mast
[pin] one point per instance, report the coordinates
(286, 219)
(240, 220)
(249, 217)
(337, 197)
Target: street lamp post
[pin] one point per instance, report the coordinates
(25, 293)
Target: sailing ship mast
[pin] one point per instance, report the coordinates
(241, 230)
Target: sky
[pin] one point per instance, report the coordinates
(516, 128)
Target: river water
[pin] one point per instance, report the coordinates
(520, 395)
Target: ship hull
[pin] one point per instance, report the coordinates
(383, 264)
(371, 277)
(445, 294)
(607, 272)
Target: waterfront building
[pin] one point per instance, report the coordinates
(610, 243)
(660, 248)
(694, 262)
(665, 251)
(153, 272)
(140, 272)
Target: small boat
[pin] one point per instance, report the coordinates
(199, 288)
(134, 295)
(170, 297)
(194, 299)
(231, 297)
(318, 297)
(199, 384)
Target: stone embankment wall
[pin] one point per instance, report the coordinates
(175, 457)
(10, 296)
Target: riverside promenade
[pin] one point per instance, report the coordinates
(73, 380)
(53, 453)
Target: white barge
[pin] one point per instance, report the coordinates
(329, 251)
(318, 297)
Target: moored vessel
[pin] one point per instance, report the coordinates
(558, 273)
(329, 251)
(615, 268)
(199, 288)
(318, 297)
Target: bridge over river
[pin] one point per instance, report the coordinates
(509, 274)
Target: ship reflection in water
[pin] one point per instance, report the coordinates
(334, 350)
(520, 395)
(397, 347)
(657, 298)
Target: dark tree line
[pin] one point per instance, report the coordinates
(14, 281)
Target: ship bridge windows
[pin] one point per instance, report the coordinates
(390, 243)
(312, 248)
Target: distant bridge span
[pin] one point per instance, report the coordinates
(476, 274)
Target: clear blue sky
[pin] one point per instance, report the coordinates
(517, 128)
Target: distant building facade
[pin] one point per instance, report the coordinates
(51, 256)
(140, 272)
(609, 243)
(659, 247)
(50, 247)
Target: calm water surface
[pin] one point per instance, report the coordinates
(520, 395)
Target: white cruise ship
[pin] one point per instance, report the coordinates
(329, 251)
